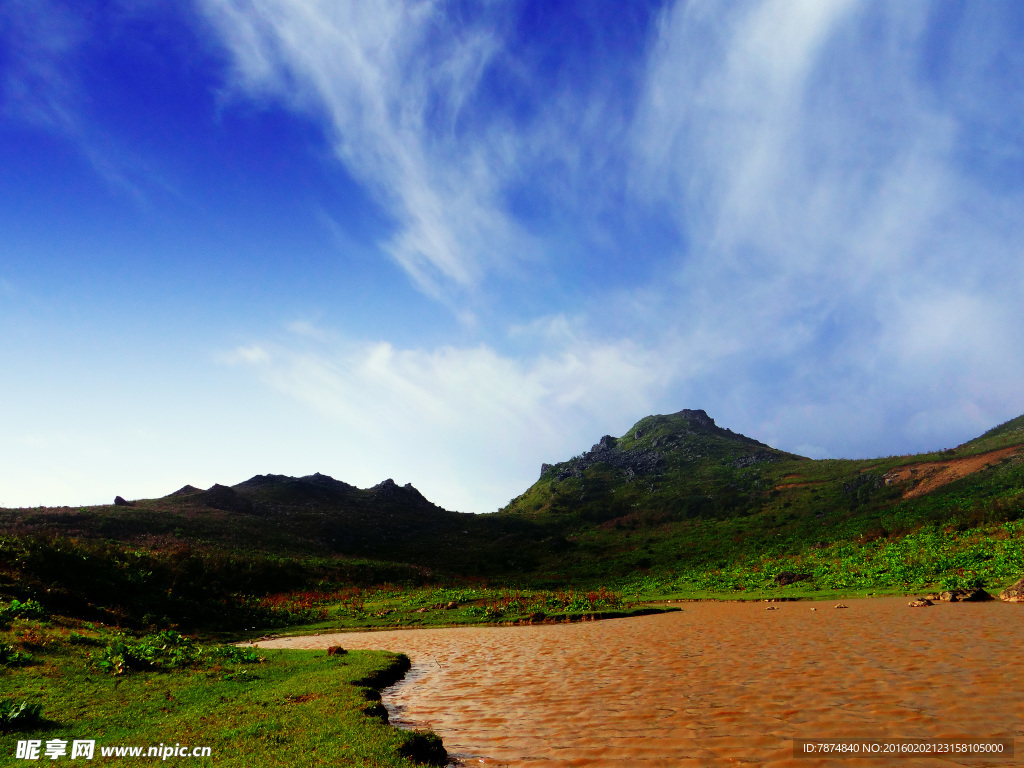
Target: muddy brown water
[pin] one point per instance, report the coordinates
(716, 684)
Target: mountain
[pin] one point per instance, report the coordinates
(317, 513)
(679, 497)
(676, 497)
(681, 465)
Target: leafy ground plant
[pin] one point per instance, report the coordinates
(12, 657)
(19, 715)
(17, 609)
(166, 650)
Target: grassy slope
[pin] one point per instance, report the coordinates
(716, 511)
(711, 522)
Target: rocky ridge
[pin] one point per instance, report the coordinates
(648, 457)
(606, 451)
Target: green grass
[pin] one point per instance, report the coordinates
(288, 708)
(393, 606)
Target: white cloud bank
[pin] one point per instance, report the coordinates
(467, 426)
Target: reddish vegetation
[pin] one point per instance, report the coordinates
(297, 699)
(314, 601)
(931, 475)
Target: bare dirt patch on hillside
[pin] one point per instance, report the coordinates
(930, 475)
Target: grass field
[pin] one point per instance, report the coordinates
(271, 708)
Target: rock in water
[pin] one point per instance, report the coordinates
(1013, 593)
(976, 595)
(920, 603)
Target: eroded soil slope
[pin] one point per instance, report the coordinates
(929, 475)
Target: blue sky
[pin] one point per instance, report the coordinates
(445, 242)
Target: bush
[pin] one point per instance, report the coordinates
(165, 650)
(11, 657)
(961, 582)
(78, 639)
(236, 655)
(30, 609)
(17, 716)
(424, 747)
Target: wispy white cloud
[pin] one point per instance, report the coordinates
(40, 86)
(37, 85)
(393, 80)
(252, 354)
(467, 425)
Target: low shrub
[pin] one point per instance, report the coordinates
(164, 650)
(424, 747)
(19, 715)
(78, 639)
(12, 657)
(29, 609)
(237, 655)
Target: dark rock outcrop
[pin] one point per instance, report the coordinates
(224, 498)
(185, 490)
(392, 491)
(632, 462)
(867, 479)
(976, 595)
(697, 418)
(758, 457)
(1013, 593)
(788, 577)
(120, 502)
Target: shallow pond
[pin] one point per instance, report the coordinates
(716, 684)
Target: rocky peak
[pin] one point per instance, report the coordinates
(326, 481)
(185, 490)
(697, 418)
(389, 489)
(222, 497)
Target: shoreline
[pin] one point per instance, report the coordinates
(642, 608)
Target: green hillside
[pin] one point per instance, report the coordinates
(680, 466)
(680, 504)
(676, 505)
